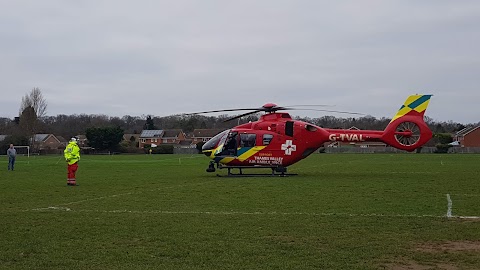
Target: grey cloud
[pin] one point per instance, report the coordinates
(166, 57)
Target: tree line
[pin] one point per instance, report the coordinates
(70, 125)
(33, 120)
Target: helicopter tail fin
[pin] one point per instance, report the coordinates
(407, 130)
(414, 105)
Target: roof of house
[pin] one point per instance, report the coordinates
(41, 137)
(61, 139)
(127, 136)
(151, 133)
(206, 132)
(171, 133)
(466, 130)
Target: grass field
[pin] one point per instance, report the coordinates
(344, 211)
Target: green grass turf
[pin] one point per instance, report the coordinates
(344, 211)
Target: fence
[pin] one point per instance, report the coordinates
(464, 150)
(361, 150)
(192, 151)
(423, 150)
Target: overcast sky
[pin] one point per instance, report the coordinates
(166, 57)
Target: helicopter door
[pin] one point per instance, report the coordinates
(289, 128)
(230, 146)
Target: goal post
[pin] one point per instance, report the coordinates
(22, 150)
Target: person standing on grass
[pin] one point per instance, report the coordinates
(12, 154)
(72, 156)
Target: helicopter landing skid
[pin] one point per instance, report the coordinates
(276, 171)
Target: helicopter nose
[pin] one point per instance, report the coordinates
(207, 152)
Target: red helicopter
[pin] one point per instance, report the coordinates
(276, 141)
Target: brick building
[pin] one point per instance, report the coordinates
(203, 135)
(157, 137)
(48, 141)
(468, 137)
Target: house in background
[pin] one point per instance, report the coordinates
(150, 137)
(82, 140)
(160, 136)
(203, 135)
(62, 140)
(47, 141)
(468, 137)
(173, 136)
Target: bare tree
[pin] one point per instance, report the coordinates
(35, 100)
(32, 109)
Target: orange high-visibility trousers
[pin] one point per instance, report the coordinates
(71, 171)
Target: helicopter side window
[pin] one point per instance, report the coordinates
(267, 138)
(247, 140)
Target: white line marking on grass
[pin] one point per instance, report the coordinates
(52, 208)
(450, 204)
(60, 158)
(467, 195)
(467, 217)
(100, 198)
(122, 194)
(237, 213)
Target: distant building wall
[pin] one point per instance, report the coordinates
(472, 139)
(51, 143)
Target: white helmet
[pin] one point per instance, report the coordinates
(73, 139)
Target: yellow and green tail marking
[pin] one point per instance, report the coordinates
(418, 103)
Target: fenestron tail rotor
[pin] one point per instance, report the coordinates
(412, 138)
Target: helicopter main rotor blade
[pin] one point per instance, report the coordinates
(271, 108)
(241, 115)
(332, 111)
(226, 110)
(310, 105)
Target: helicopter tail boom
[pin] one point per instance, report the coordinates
(407, 130)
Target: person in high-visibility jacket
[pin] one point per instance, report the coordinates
(72, 156)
